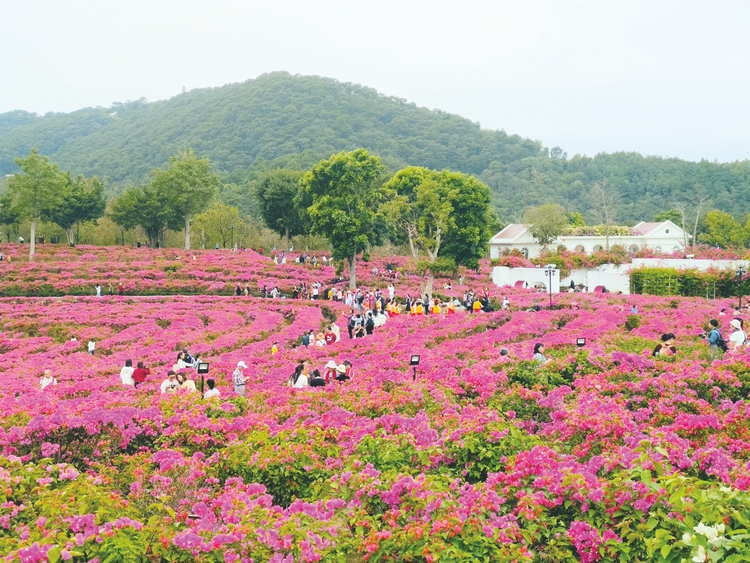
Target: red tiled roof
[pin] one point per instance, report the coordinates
(510, 232)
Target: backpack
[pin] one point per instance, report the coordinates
(722, 344)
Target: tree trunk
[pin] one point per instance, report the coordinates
(287, 239)
(352, 262)
(187, 231)
(70, 235)
(32, 247)
(428, 286)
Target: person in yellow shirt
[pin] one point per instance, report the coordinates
(274, 349)
(477, 306)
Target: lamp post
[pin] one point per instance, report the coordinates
(741, 271)
(232, 227)
(414, 362)
(549, 270)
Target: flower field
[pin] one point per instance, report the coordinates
(603, 454)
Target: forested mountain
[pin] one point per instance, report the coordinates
(282, 120)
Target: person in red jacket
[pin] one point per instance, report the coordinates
(139, 374)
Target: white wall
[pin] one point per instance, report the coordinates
(502, 276)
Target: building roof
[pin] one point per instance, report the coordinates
(646, 228)
(510, 232)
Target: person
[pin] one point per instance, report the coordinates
(274, 348)
(504, 352)
(238, 290)
(342, 373)
(169, 385)
(317, 380)
(477, 306)
(369, 323)
(329, 337)
(666, 347)
(120, 289)
(738, 337)
(109, 289)
(358, 328)
(320, 340)
(188, 358)
(506, 303)
(715, 341)
(91, 347)
(299, 377)
(634, 308)
(212, 390)
(20, 240)
(306, 339)
(181, 363)
(295, 376)
(330, 373)
(180, 381)
(126, 373)
(139, 374)
(217, 246)
(238, 378)
(539, 356)
(98, 290)
(47, 379)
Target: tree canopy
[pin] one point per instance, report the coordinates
(345, 196)
(276, 191)
(546, 222)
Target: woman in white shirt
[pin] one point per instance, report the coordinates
(299, 377)
(738, 337)
(126, 373)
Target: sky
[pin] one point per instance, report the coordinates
(660, 77)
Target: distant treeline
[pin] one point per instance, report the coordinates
(284, 121)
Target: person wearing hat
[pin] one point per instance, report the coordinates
(238, 378)
(330, 373)
(341, 374)
(738, 337)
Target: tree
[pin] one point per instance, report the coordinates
(37, 190)
(219, 222)
(576, 219)
(80, 199)
(10, 216)
(604, 202)
(687, 208)
(142, 207)
(275, 192)
(724, 230)
(467, 238)
(345, 198)
(419, 206)
(188, 186)
(546, 222)
(671, 215)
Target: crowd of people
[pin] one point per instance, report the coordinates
(333, 372)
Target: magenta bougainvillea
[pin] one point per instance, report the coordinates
(604, 453)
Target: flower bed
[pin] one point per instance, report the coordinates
(604, 454)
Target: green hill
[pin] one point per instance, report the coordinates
(282, 120)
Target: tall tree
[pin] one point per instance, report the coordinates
(472, 220)
(36, 190)
(604, 201)
(142, 207)
(690, 209)
(80, 199)
(345, 199)
(275, 191)
(219, 223)
(546, 222)
(188, 186)
(419, 206)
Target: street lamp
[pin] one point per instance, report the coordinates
(741, 271)
(414, 362)
(232, 227)
(549, 269)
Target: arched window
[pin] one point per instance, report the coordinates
(580, 248)
(598, 248)
(658, 249)
(634, 248)
(675, 248)
(525, 252)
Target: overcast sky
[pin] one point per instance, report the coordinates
(660, 77)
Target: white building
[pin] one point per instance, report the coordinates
(662, 237)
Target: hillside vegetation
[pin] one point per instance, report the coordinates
(280, 120)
